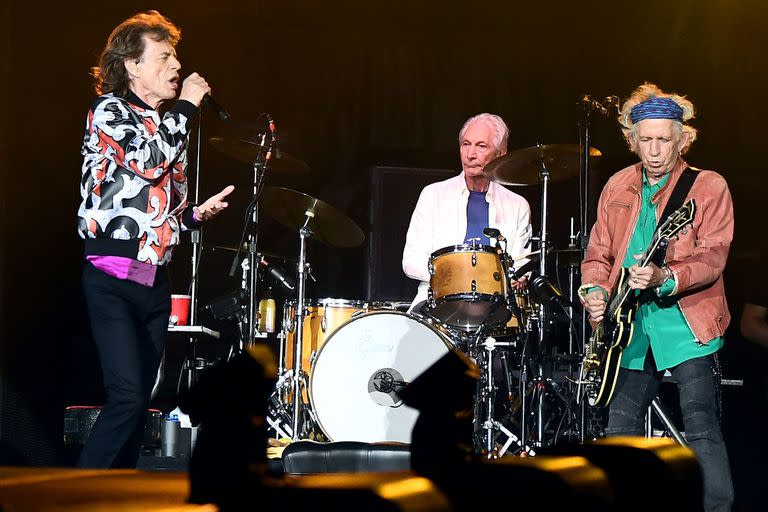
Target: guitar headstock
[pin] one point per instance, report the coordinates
(678, 220)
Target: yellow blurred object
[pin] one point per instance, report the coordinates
(275, 447)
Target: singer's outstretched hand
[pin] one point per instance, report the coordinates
(214, 205)
(194, 88)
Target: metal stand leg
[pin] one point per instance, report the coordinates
(298, 375)
(665, 419)
(490, 426)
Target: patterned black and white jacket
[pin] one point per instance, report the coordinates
(134, 185)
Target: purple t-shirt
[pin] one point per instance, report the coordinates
(477, 217)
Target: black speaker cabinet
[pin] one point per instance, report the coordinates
(394, 192)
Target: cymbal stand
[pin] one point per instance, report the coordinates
(573, 276)
(540, 379)
(302, 268)
(260, 167)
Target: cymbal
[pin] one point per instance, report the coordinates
(522, 167)
(327, 224)
(248, 151)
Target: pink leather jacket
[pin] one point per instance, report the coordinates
(696, 259)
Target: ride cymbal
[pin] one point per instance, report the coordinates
(247, 151)
(523, 166)
(327, 224)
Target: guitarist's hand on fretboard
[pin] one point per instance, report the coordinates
(650, 276)
(594, 303)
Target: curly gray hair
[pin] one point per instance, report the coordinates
(644, 93)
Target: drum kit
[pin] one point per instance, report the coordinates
(343, 362)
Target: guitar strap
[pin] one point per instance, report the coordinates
(676, 199)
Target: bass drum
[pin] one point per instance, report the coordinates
(361, 367)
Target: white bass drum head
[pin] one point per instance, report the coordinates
(360, 368)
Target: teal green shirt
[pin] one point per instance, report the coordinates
(659, 322)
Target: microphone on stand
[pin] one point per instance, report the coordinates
(274, 146)
(603, 106)
(278, 274)
(494, 233)
(207, 101)
(546, 292)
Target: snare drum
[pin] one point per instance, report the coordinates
(323, 317)
(467, 286)
(360, 369)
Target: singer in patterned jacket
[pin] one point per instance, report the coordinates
(134, 206)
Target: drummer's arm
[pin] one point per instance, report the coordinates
(418, 240)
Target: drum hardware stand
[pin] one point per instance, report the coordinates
(261, 166)
(302, 268)
(190, 363)
(573, 273)
(487, 388)
(491, 426)
(540, 380)
(665, 419)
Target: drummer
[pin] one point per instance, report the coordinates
(457, 210)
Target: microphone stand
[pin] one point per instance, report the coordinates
(196, 236)
(250, 228)
(585, 143)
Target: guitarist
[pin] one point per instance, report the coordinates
(682, 311)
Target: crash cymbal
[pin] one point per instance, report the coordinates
(247, 151)
(328, 224)
(522, 167)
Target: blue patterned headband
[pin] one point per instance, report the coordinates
(657, 108)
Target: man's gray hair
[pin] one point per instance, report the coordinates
(501, 132)
(642, 94)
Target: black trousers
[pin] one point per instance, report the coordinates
(129, 323)
(699, 406)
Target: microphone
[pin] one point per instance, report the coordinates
(546, 292)
(494, 233)
(278, 274)
(603, 106)
(207, 101)
(275, 147)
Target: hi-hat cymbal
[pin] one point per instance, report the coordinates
(523, 166)
(328, 225)
(248, 151)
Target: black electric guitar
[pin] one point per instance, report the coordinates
(602, 360)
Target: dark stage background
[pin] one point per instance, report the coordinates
(352, 86)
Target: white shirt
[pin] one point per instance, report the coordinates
(440, 220)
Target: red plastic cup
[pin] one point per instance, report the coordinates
(180, 306)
